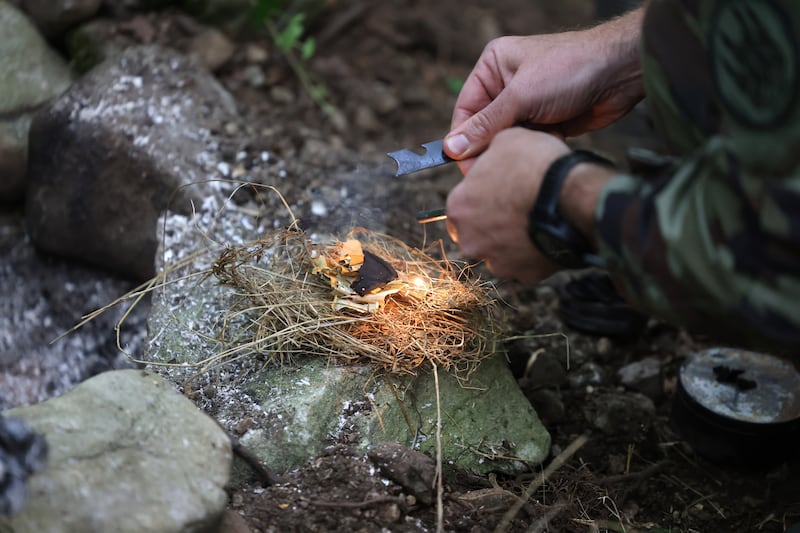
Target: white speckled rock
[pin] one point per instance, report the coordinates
(113, 152)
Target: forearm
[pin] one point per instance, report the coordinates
(691, 249)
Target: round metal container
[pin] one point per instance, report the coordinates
(738, 407)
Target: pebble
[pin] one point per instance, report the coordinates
(643, 376)
(281, 95)
(254, 53)
(255, 76)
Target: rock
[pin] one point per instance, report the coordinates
(588, 374)
(302, 407)
(644, 376)
(548, 405)
(32, 74)
(54, 17)
(413, 470)
(619, 413)
(256, 53)
(127, 454)
(366, 120)
(540, 368)
(112, 153)
(211, 48)
(487, 424)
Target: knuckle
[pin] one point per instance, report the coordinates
(481, 126)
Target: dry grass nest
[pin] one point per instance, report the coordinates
(296, 299)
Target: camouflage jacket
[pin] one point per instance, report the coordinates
(713, 242)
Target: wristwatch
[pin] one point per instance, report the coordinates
(553, 235)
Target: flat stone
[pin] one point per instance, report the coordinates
(127, 454)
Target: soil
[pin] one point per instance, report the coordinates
(391, 70)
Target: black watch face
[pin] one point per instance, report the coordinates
(555, 249)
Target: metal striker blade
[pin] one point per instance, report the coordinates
(409, 161)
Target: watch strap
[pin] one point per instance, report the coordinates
(545, 212)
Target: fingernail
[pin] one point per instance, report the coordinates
(457, 144)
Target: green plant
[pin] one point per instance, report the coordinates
(454, 84)
(286, 26)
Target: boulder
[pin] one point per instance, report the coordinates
(113, 152)
(32, 74)
(127, 454)
(289, 414)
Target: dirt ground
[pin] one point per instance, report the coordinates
(392, 69)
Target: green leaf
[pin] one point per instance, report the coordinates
(318, 92)
(289, 37)
(307, 48)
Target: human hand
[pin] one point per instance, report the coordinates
(564, 83)
(487, 211)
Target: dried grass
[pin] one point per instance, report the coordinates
(445, 318)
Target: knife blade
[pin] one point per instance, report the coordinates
(409, 161)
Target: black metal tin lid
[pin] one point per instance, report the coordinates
(738, 407)
(747, 386)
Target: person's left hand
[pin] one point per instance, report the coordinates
(487, 212)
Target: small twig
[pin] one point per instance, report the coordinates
(701, 497)
(439, 486)
(554, 465)
(357, 505)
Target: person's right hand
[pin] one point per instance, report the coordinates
(564, 83)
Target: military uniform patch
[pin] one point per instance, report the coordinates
(753, 54)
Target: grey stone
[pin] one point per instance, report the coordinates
(619, 413)
(413, 470)
(127, 454)
(588, 374)
(54, 17)
(114, 151)
(645, 376)
(32, 72)
(211, 48)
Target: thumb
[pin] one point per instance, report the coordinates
(474, 134)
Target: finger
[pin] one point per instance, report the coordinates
(475, 134)
(451, 229)
(465, 165)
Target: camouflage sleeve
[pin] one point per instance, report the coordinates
(714, 242)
